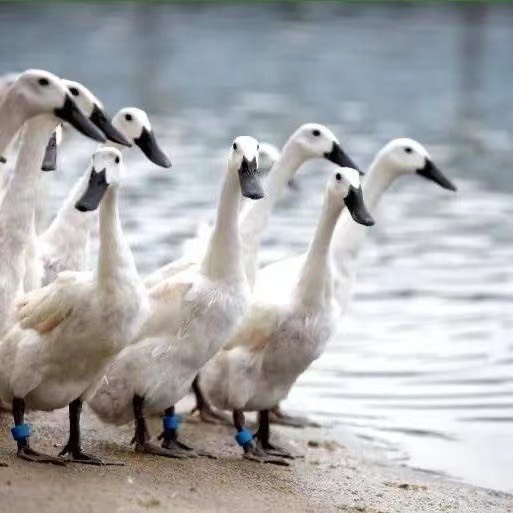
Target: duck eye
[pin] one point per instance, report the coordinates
(116, 160)
(316, 132)
(408, 150)
(43, 81)
(258, 147)
(128, 117)
(338, 176)
(234, 146)
(74, 91)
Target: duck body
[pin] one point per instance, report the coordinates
(279, 338)
(256, 376)
(68, 331)
(192, 313)
(399, 157)
(52, 366)
(191, 316)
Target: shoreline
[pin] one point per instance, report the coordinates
(330, 477)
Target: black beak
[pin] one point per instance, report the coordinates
(3, 160)
(356, 206)
(94, 193)
(339, 157)
(71, 113)
(249, 183)
(149, 146)
(431, 172)
(50, 158)
(99, 118)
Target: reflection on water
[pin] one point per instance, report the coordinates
(423, 365)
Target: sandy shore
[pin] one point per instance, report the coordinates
(329, 478)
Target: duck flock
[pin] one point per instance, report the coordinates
(212, 321)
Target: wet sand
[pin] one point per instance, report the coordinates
(330, 477)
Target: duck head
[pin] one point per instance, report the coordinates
(318, 141)
(40, 92)
(345, 187)
(243, 160)
(134, 124)
(407, 156)
(94, 110)
(107, 169)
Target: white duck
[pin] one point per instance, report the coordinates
(64, 245)
(93, 109)
(71, 329)
(397, 158)
(277, 341)
(309, 141)
(191, 314)
(40, 98)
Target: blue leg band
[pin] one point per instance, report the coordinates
(171, 423)
(21, 432)
(244, 437)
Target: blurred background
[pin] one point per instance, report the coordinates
(422, 366)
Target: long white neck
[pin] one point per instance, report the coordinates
(70, 231)
(349, 235)
(12, 118)
(314, 285)
(17, 209)
(223, 257)
(115, 260)
(255, 215)
(121, 293)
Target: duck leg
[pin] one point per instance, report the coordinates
(245, 440)
(206, 413)
(169, 436)
(73, 447)
(142, 435)
(262, 437)
(21, 433)
(277, 416)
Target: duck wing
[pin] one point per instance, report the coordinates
(45, 308)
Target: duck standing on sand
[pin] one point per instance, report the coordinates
(192, 313)
(70, 330)
(277, 341)
(400, 157)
